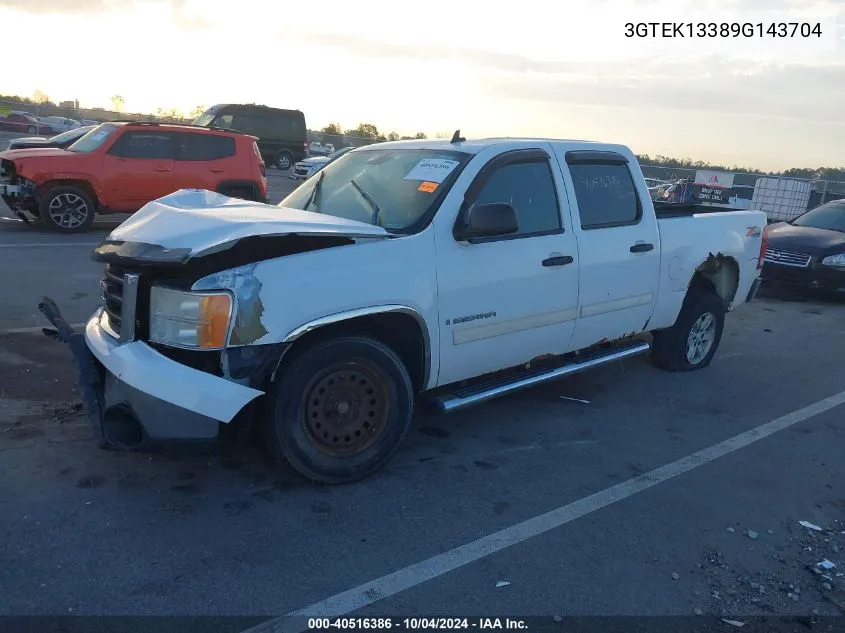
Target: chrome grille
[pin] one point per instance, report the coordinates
(787, 258)
(112, 285)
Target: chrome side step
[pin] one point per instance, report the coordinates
(466, 396)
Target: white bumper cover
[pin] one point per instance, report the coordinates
(141, 367)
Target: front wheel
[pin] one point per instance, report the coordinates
(340, 410)
(283, 160)
(67, 210)
(692, 342)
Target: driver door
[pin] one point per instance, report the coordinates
(508, 299)
(139, 168)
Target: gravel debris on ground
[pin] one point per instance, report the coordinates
(767, 589)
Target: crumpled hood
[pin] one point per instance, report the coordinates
(196, 222)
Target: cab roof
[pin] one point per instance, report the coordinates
(178, 126)
(474, 146)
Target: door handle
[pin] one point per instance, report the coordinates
(216, 171)
(559, 260)
(162, 169)
(642, 248)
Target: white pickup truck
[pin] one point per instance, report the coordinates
(445, 272)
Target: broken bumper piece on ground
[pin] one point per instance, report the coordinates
(132, 393)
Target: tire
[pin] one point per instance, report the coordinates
(701, 309)
(357, 379)
(32, 130)
(241, 193)
(67, 209)
(283, 161)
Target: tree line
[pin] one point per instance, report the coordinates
(836, 174)
(367, 131)
(371, 132)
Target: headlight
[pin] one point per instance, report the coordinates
(195, 320)
(837, 261)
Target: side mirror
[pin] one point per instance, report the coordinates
(489, 220)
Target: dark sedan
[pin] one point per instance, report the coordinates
(61, 141)
(809, 251)
(20, 122)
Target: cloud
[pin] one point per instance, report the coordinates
(181, 12)
(67, 6)
(799, 93)
(708, 83)
(379, 49)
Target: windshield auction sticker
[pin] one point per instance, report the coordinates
(432, 170)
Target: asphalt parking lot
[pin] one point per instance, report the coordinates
(623, 491)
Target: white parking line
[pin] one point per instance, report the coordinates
(37, 328)
(409, 577)
(50, 244)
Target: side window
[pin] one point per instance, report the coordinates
(285, 127)
(204, 147)
(149, 145)
(530, 189)
(224, 121)
(606, 195)
(249, 124)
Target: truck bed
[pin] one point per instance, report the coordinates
(668, 210)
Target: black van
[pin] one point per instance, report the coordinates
(282, 135)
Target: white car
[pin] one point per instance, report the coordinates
(316, 149)
(60, 123)
(451, 272)
(307, 167)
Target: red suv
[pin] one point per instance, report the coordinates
(120, 167)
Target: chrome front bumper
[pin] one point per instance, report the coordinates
(169, 400)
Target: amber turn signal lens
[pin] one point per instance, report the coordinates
(214, 314)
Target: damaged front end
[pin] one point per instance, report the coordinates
(135, 395)
(177, 349)
(174, 352)
(16, 191)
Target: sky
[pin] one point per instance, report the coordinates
(550, 68)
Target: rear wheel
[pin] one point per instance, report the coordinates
(67, 210)
(340, 410)
(283, 160)
(32, 130)
(692, 342)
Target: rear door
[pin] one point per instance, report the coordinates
(203, 161)
(139, 167)
(618, 245)
(505, 300)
